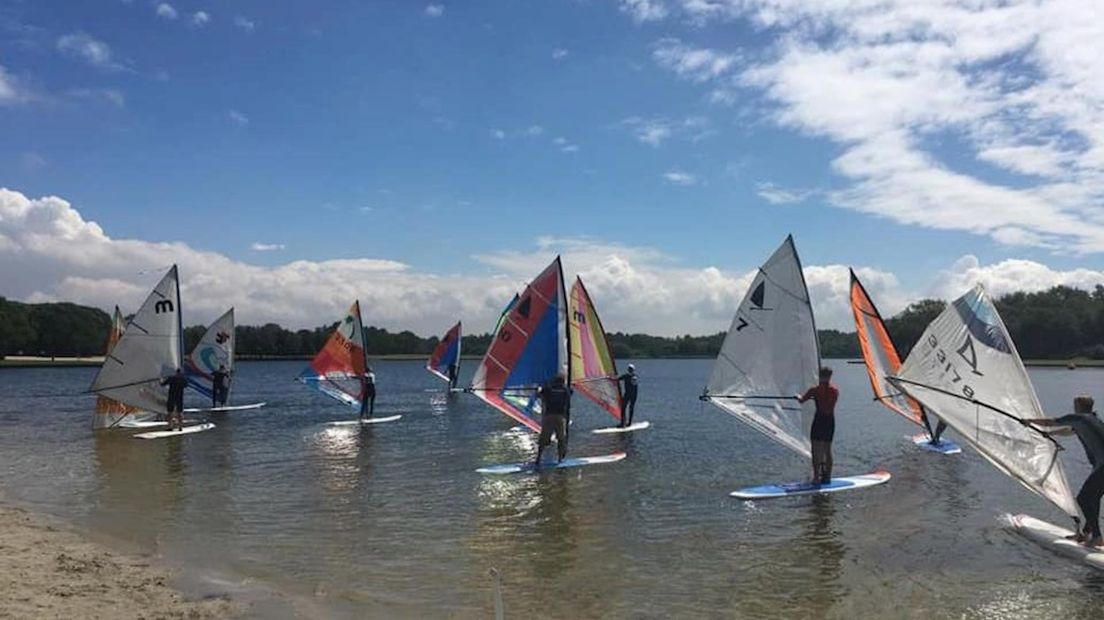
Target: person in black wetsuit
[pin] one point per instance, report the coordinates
(628, 395)
(368, 393)
(937, 433)
(453, 375)
(219, 389)
(555, 412)
(175, 405)
(824, 425)
(1090, 430)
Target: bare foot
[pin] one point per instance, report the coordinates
(1095, 541)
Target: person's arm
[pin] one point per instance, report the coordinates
(806, 396)
(1060, 425)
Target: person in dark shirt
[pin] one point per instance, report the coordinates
(824, 424)
(453, 375)
(1090, 431)
(555, 411)
(628, 395)
(219, 389)
(368, 393)
(175, 405)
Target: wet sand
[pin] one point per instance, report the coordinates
(50, 571)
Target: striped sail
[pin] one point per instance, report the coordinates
(593, 370)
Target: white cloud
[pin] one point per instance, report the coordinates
(110, 96)
(238, 118)
(498, 134)
(257, 246)
(780, 195)
(245, 24)
(559, 53)
(1015, 85)
(50, 252)
(84, 47)
(675, 176)
(201, 18)
(166, 11)
(11, 90)
(656, 131)
(569, 148)
(434, 10)
(644, 10)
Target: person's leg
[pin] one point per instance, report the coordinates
(939, 428)
(1089, 501)
(372, 405)
(561, 436)
(826, 469)
(816, 461)
(624, 412)
(544, 439)
(632, 409)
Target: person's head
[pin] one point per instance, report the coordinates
(559, 380)
(631, 369)
(1083, 404)
(179, 371)
(825, 374)
(222, 366)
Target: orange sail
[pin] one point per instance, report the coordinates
(339, 368)
(880, 354)
(108, 410)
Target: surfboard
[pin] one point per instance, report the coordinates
(366, 421)
(945, 446)
(187, 430)
(224, 409)
(771, 491)
(636, 426)
(141, 424)
(1053, 538)
(527, 468)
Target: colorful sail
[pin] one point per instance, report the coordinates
(880, 354)
(505, 311)
(214, 349)
(528, 349)
(593, 370)
(966, 370)
(338, 369)
(149, 350)
(110, 412)
(770, 354)
(446, 353)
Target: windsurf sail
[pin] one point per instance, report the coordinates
(771, 354)
(446, 353)
(528, 348)
(505, 311)
(109, 411)
(214, 349)
(593, 370)
(337, 370)
(966, 370)
(148, 350)
(880, 355)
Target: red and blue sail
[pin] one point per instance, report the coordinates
(528, 349)
(339, 368)
(446, 353)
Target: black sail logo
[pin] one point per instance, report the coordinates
(163, 306)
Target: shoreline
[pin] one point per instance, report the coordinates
(48, 568)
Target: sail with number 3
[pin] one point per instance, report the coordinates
(529, 347)
(770, 354)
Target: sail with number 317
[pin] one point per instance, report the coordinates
(338, 370)
(527, 350)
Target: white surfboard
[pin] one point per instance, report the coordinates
(187, 430)
(527, 468)
(366, 421)
(1054, 538)
(636, 426)
(224, 409)
(141, 424)
(771, 491)
(945, 446)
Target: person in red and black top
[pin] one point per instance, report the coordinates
(824, 424)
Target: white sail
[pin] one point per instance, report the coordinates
(966, 370)
(214, 349)
(149, 350)
(770, 354)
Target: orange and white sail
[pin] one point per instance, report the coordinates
(880, 355)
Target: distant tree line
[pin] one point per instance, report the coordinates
(1060, 323)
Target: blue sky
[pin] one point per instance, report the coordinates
(678, 134)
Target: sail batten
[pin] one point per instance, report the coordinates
(528, 348)
(593, 369)
(966, 370)
(149, 349)
(770, 354)
(338, 369)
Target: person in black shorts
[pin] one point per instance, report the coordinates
(628, 395)
(175, 405)
(367, 393)
(824, 424)
(555, 412)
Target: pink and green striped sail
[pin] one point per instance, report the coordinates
(593, 370)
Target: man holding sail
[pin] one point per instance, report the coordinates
(1090, 431)
(825, 395)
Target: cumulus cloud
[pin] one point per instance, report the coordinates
(644, 10)
(84, 47)
(166, 11)
(1013, 85)
(434, 10)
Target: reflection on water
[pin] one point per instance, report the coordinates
(392, 520)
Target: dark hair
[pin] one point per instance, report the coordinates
(1083, 404)
(825, 371)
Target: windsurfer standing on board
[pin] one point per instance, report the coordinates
(555, 410)
(824, 424)
(218, 386)
(1090, 430)
(367, 393)
(453, 375)
(628, 395)
(175, 405)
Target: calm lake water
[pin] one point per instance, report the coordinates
(393, 520)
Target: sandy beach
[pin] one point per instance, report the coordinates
(50, 571)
